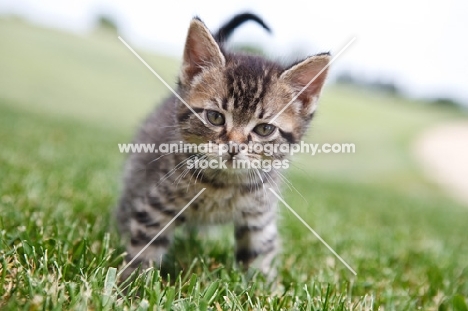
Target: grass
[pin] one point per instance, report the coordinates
(65, 103)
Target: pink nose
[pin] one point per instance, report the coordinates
(236, 137)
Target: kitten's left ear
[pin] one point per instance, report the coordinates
(201, 51)
(301, 74)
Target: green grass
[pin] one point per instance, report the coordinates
(65, 103)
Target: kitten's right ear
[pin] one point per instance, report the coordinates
(201, 52)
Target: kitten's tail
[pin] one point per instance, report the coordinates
(225, 31)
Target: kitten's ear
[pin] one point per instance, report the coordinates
(201, 51)
(301, 74)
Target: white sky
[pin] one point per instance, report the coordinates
(423, 45)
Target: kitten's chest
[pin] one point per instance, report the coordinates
(217, 206)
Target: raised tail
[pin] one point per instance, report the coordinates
(225, 31)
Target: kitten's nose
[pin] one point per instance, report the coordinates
(236, 138)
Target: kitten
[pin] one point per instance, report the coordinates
(237, 95)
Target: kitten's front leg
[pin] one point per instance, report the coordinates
(142, 251)
(257, 240)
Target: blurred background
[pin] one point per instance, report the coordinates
(418, 46)
(396, 209)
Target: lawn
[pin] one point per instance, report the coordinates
(66, 101)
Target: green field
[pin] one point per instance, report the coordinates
(67, 100)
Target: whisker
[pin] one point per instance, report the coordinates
(251, 180)
(267, 174)
(172, 171)
(283, 178)
(263, 185)
(201, 170)
(166, 154)
(290, 184)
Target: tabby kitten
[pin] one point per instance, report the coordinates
(237, 95)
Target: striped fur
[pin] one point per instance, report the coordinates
(247, 90)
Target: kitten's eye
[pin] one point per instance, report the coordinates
(215, 117)
(264, 129)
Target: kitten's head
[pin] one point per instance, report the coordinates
(239, 95)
